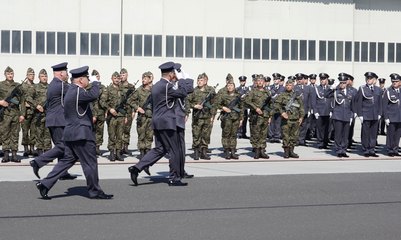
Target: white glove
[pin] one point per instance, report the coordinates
(93, 79)
(179, 75)
(330, 114)
(354, 115)
(350, 121)
(316, 115)
(387, 121)
(308, 113)
(334, 86)
(379, 117)
(361, 118)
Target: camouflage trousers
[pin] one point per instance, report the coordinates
(289, 132)
(9, 132)
(99, 130)
(115, 130)
(43, 137)
(127, 131)
(145, 133)
(259, 127)
(229, 129)
(28, 130)
(200, 129)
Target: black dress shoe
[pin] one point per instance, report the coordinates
(366, 155)
(391, 154)
(146, 170)
(373, 155)
(176, 183)
(67, 177)
(103, 196)
(134, 172)
(345, 155)
(186, 175)
(43, 191)
(339, 155)
(35, 168)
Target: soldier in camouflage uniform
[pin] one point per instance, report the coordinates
(291, 108)
(232, 114)
(202, 116)
(99, 112)
(116, 117)
(42, 136)
(259, 100)
(209, 130)
(11, 116)
(126, 86)
(28, 126)
(141, 103)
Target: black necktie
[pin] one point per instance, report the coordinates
(371, 88)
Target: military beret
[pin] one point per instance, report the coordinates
(123, 70)
(43, 71)
(115, 74)
(147, 74)
(395, 77)
(30, 70)
(60, 67)
(242, 78)
(300, 76)
(94, 72)
(370, 75)
(323, 76)
(267, 79)
(382, 80)
(169, 67)
(312, 76)
(80, 72)
(229, 77)
(276, 76)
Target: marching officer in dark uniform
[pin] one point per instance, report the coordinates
(79, 137)
(305, 92)
(275, 123)
(392, 114)
(242, 89)
(369, 110)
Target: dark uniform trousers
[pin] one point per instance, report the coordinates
(275, 127)
(393, 137)
(322, 130)
(369, 135)
(85, 151)
(57, 151)
(341, 135)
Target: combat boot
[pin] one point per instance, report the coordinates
(118, 156)
(263, 154)
(233, 155)
(196, 153)
(227, 154)
(14, 157)
(26, 151)
(286, 152)
(112, 156)
(292, 154)
(6, 157)
(257, 153)
(204, 154)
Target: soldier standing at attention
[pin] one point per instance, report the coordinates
(392, 114)
(79, 136)
(43, 138)
(231, 118)
(305, 92)
(126, 86)
(99, 112)
(350, 87)
(312, 120)
(10, 100)
(141, 103)
(290, 106)
(259, 102)
(55, 120)
(211, 89)
(116, 117)
(242, 89)
(369, 110)
(382, 124)
(28, 126)
(275, 123)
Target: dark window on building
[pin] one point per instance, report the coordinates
(219, 47)
(303, 50)
(285, 49)
(340, 51)
(238, 48)
(84, 43)
(210, 47)
(115, 44)
(148, 45)
(256, 48)
(356, 51)
(189, 46)
(127, 44)
(229, 48)
(179, 46)
(390, 52)
(72, 43)
(157, 51)
(5, 41)
(372, 52)
(311, 50)
(16, 42)
(274, 49)
(169, 46)
(105, 44)
(380, 52)
(364, 52)
(322, 51)
(95, 44)
(138, 45)
(50, 42)
(198, 47)
(61, 42)
(247, 48)
(348, 51)
(294, 49)
(27, 42)
(265, 49)
(398, 56)
(331, 50)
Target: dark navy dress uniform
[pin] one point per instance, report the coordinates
(305, 92)
(321, 105)
(392, 114)
(369, 106)
(275, 123)
(79, 136)
(242, 90)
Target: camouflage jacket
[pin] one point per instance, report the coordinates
(115, 96)
(291, 103)
(259, 99)
(198, 97)
(100, 105)
(140, 98)
(13, 109)
(27, 100)
(234, 102)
